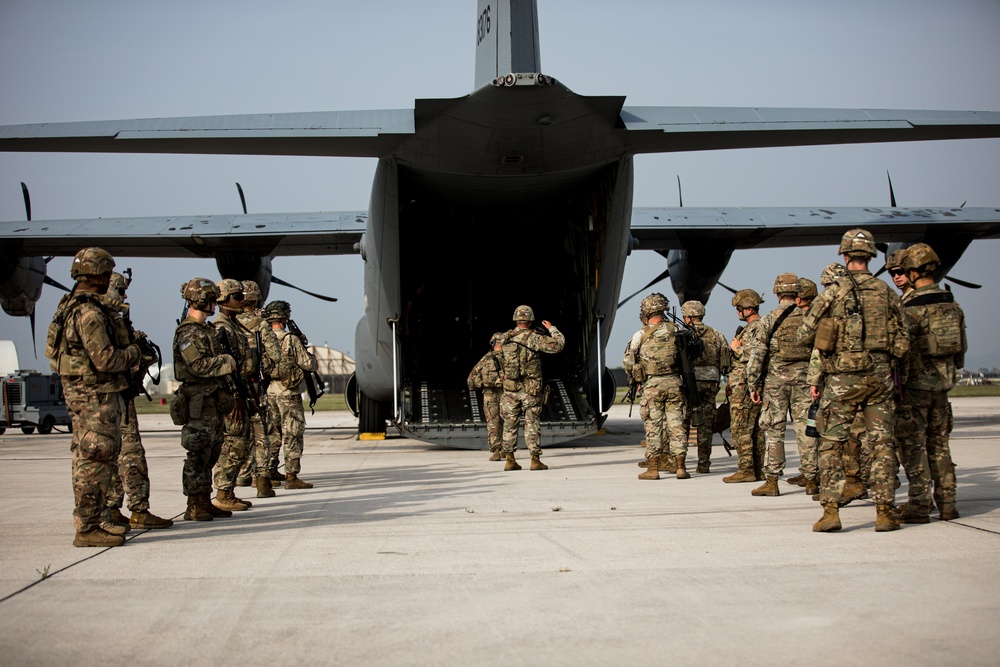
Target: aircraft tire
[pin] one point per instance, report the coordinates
(371, 415)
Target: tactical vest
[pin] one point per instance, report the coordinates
(706, 367)
(288, 372)
(520, 362)
(657, 354)
(785, 345)
(69, 359)
(943, 335)
(188, 353)
(862, 314)
(487, 373)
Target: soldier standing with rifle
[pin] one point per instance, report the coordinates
(715, 360)
(747, 438)
(133, 470)
(284, 394)
(91, 363)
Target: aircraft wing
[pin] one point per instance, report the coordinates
(673, 129)
(743, 228)
(192, 236)
(328, 133)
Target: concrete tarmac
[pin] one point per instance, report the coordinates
(410, 554)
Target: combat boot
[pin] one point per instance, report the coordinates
(668, 463)
(276, 478)
(98, 538)
(682, 472)
(225, 500)
(114, 528)
(243, 481)
(653, 469)
(703, 468)
(812, 487)
(148, 520)
(205, 501)
(769, 488)
(798, 480)
(907, 513)
(853, 490)
(829, 521)
(118, 517)
(511, 463)
(292, 481)
(495, 455)
(264, 489)
(240, 500)
(740, 476)
(536, 463)
(884, 520)
(947, 512)
(194, 511)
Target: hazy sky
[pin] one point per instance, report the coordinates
(66, 61)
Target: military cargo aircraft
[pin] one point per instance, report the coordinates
(521, 164)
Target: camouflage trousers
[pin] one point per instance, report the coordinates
(779, 400)
(96, 442)
(858, 453)
(512, 405)
(707, 391)
(748, 439)
(133, 472)
(202, 438)
(257, 457)
(235, 450)
(923, 423)
(286, 428)
(494, 423)
(844, 395)
(663, 411)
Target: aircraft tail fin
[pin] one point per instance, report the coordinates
(506, 39)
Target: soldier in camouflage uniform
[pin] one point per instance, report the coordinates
(650, 360)
(264, 348)
(777, 358)
(863, 331)
(715, 361)
(744, 412)
(82, 348)
(284, 394)
(204, 397)
(923, 418)
(487, 375)
(523, 386)
(894, 265)
(133, 470)
(236, 423)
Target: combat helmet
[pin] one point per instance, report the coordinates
(858, 242)
(524, 314)
(277, 310)
(920, 257)
(894, 260)
(654, 304)
(693, 309)
(747, 298)
(119, 283)
(832, 273)
(251, 292)
(199, 292)
(229, 287)
(786, 283)
(91, 262)
(807, 289)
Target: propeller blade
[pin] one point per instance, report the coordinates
(964, 283)
(55, 283)
(725, 286)
(892, 195)
(879, 272)
(243, 200)
(680, 197)
(655, 280)
(27, 200)
(34, 348)
(279, 281)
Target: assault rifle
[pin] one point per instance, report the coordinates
(311, 376)
(689, 348)
(633, 387)
(244, 392)
(150, 354)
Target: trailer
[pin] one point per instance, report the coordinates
(32, 401)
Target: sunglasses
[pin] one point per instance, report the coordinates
(897, 272)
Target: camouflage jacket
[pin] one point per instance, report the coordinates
(526, 344)
(776, 355)
(254, 324)
(293, 355)
(926, 371)
(236, 335)
(653, 349)
(748, 337)
(198, 357)
(716, 357)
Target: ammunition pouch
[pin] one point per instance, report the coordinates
(511, 385)
(639, 373)
(853, 362)
(533, 386)
(826, 335)
(179, 409)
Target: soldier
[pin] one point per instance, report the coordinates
(651, 361)
(133, 470)
(82, 348)
(204, 397)
(236, 422)
(894, 265)
(264, 348)
(487, 375)
(715, 360)
(808, 459)
(781, 362)
(284, 394)
(860, 329)
(523, 385)
(744, 412)
(923, 417)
